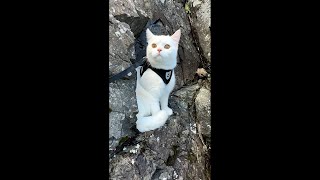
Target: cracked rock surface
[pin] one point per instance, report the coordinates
(181, 148)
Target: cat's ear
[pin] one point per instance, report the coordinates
(176, 36)
(149, 34)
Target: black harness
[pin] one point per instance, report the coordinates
(164, 74)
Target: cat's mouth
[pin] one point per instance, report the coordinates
(158, 56)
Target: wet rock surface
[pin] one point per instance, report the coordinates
(180, 149)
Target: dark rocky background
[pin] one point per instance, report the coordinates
(181, 148)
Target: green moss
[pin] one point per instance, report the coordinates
(123, 139)
(187, 8)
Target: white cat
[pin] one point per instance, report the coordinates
(157, 81)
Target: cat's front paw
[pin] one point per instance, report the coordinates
(168, 110)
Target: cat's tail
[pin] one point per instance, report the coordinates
(152, 122)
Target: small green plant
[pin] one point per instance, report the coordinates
(187, 7)
(123, 139)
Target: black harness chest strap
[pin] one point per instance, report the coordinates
(164, 74)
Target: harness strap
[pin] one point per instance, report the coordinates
(164, 74)
(128, 70)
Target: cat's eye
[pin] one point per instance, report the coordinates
(153, 45)
(167, 46)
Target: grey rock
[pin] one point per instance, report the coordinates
(147, 165)
(123, 106)
(166, 173)
(130, 12)
(121, 41)
(118, 7)
(144, 7)
(201, 21)
(179, 77)
(115, 124)
(123, 168)
(203, 110)
(122, 97)
(187, 94)
(165, 152)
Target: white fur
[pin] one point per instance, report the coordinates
(152, 93)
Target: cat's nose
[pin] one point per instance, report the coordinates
(159, 50)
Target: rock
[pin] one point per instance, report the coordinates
(127, 11)
(166, 173)
(122, 102)
(122, 97)
(201, 72)
(121, 46)
(165, 152)
(115, 124)
(186, 94)
(203, 111)
(123, 107)
(118, 7)
(201, 21)
(123, 168)
(179, 77)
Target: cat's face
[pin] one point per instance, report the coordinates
(162, 50)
